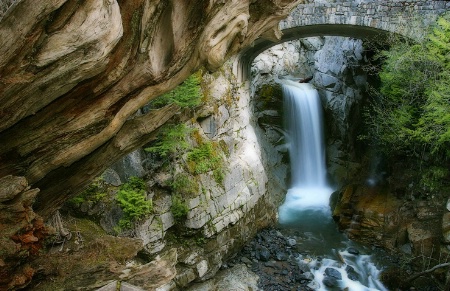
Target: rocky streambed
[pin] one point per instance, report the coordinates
(276, 256)
(275, 259)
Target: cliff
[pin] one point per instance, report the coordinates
(73, 74)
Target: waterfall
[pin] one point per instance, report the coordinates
(306, 207)
(303, 119)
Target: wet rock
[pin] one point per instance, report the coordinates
(292, 242)
(314, 285)
(332, 272)
(306, 276)
(406, 248)
(264, 254)
(270, 265)
(352, 274)
(330, 282)
(266, 238)
(303, 266)
(281, 256)
(446, 227)
(246, 261)
(353, 251)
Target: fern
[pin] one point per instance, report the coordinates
(172, 141)
(133, 202)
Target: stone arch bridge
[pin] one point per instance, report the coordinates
(365, 19)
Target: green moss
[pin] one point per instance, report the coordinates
(223, 145)
(185, 185)
(219, 175)
(268, 92)
(204, 158)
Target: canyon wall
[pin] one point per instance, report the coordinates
(74, 73)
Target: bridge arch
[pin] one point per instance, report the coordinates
(363, 19)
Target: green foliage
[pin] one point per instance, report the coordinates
(132, 199)
(219, 174)
(185, 185)
(204, 158)
(411, 114)
(178, 208)
(413, 109)
(432, 177)
(95, 192)
(200, 240)
(172, 140)
(187, 94)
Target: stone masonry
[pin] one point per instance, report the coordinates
(393, 16)
(358, 19)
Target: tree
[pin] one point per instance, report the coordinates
(410, 115)
(412, 108)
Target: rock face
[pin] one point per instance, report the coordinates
(222, 214)
(22, 231)
(375, 216)
(371, 215)
(70, 83)
(74, 73)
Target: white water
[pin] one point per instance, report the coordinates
(303, 119)
(306, 206)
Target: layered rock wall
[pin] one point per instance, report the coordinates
(74, 73)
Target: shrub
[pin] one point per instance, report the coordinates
(132, 199)
(410, 116)
(178, 208)
(432, 177)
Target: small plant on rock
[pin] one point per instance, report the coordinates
(178, 208)
(186, 95)
(94, 192)
(133, 201)
(172, 141)
(185, 185)
(204, 158)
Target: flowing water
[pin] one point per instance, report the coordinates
(306, 208)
